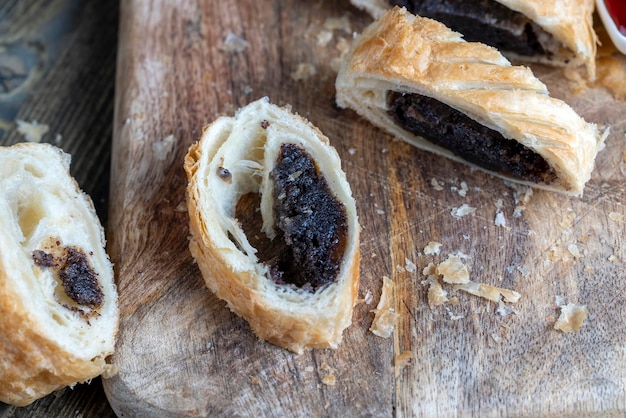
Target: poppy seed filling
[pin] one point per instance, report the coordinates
(485, 21)
(312, 222)
(446, 127)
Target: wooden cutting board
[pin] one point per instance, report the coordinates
(181, 352)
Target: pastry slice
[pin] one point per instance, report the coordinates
(552, 32)
(58, 301)
(274, 226)
(423, 83)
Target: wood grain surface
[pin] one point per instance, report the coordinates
(181, 352)
(57, 67)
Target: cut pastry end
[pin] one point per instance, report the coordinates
(420, 81)
(58, 300)
(555, 33)
(274, 227)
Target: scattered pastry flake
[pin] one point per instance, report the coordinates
(429, 270)
(432, 248)
(463, 190)
(492, 293)
(384, 315)
(522, 197)
(255, 380)
(615, 216)
(436, 294)
(162, 148)
(572, 318)
(324, 37)
(234, 43)
(437, 185)
(503, 309)
(338, 23)
(574, 251)
(500, 219)
(33, 132)
(462, 210)
(453, 316)
(409, 265)
(329, 380)
(181, 207)
(325, 367)
(367, 299)
(453, 270)
(303, 71)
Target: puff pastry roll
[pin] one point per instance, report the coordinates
(58, 301)
(423, 83)
(559, 33)
(274, 227)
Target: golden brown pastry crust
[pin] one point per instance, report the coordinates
(43, 345)
(569, 21)
(409, 54)
(247, 145)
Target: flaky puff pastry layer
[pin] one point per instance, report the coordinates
(569, 21)
(48, 341)
(235, 156)
(404, 53)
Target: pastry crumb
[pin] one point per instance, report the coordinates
(499, 220)
(303, 72)
(492, 293)
(233, 43)
(436, 294)
(181, 207)
(384, 315)
(572, 318)
(409, 265)
(338, 23)
(329, 380)
(432, 248)
(324, 37)
(437, 185)
(255, 380)
(453, 270)
(503, 309)
(463, 210)
(33, 131)
(162, 148)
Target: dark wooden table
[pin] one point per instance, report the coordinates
(57, 67)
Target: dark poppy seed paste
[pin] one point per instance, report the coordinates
(79, 280)
(312, 221)
(448, 128)
(485, 21)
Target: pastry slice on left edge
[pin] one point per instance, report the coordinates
(274, 227)
(423, 83)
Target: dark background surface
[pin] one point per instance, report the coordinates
(57, 67)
